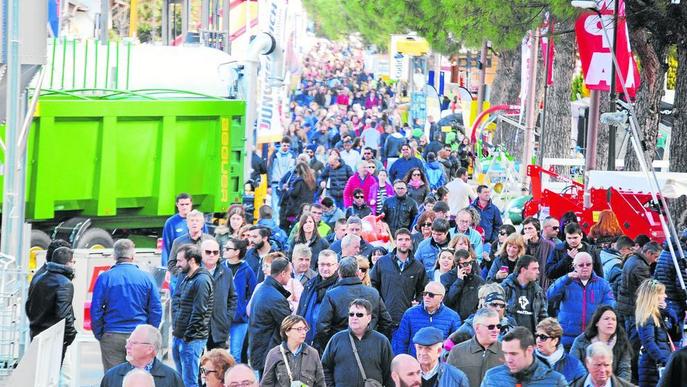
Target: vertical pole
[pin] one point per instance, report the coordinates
(531, 114)
(248, 18)
(482, 76)
(592, 134)
(133, 18)
(226, 11)
(613, 95)
(251, 74)
(204, 14)
(164, 25)
(542, 130)
(104, 20)
(185, 16)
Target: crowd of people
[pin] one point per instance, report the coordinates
(376, 262)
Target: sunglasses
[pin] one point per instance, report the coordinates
(492, 327)
(358, 314)
(359, 196)
(586, 264)
(212, 252)
(363, 270)
(426, 224)
(206, 371)
(497, 305)
(465, 264)
(415, 174)
(230, 248)
(542, 337)
(430, 294)
(556, 228)
(503, 233)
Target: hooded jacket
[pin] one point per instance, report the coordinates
(436, 175)
(50, 301)
(427, 252)
(527, 305)
(538, 374)
(244, 284)
(578, 303)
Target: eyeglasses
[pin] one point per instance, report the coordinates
(400, 188)
(430, 294)
(212, 252)
(229, 248)
(244, 383)
(300, 329)
(542, 337)
(584, 264)
(359, 196)
(205, 371)
(137, 342)
(556, 227)
(497, 305)
(426, 224)
(465, 264)
(492, 327)
(358, 314)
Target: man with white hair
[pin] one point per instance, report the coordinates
(599, 362)
(138, 378)
(350, 245)
(142, 348)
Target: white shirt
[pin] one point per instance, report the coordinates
(459, 195)
(351, 158)
(588, 382)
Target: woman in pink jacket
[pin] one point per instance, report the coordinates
(363, 180)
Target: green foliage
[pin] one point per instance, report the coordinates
(149, 21)
(576, 89)
(446, 24)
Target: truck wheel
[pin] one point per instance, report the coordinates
(39, 242)
(95, 238)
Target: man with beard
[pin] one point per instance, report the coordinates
(191, 312)
(405, 371)
(141, 353)
(525, 299)
(428, 346)
(399, 277)
(258, 247)
(462, 285)
(315, 289)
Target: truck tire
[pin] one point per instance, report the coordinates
(95, 238)
(40, 241)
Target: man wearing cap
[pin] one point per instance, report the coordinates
(428, 346)
(430, 313)
(494, 301)
(483, 351)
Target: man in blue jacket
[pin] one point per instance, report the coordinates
(123, 298)
(407, 162)
(431, 313)
(579, 294)
(490, 215)
(176, 226)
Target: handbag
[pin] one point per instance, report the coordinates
(368, 382)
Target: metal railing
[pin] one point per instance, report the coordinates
(13, 327)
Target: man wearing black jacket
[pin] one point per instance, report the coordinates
(399, 277)
(50, 298)
(560, 262)
(191, 311)
(399, 210)
(333, 315)
(462, 284)
(224, 295)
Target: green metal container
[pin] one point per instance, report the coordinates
(120, 158)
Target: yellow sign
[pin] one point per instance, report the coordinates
(413, 46)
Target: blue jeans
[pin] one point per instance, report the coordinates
(237, 334)
(187, 359)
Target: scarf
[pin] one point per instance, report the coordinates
(610, 343)
(416, 183)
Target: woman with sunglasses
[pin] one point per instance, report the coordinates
(293, 362)
(244, 284)
(604, 328)
(363, 270)
(506, 258)
(418, 186)
(213, 365)
(655, 324)
(462, 282)
(423, 227)
(550, 351)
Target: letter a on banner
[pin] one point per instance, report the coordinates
(595, 49)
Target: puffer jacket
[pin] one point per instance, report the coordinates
(356, 182)
(436, 175)
(461, 294)
(622, 357)
(192, 306)
(666, 274)
(333, 315)
(490, 219)
(417, 317)
(398, 288)
(427, 252)
(399, 212)
(568, 366)
(578, 303)
(538, 374)
(50, 301)
(244, 283)
(450, 376)
(656, 346)
(536, 301)
(337, 179)
(635, 271)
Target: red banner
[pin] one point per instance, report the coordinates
(595, 49)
